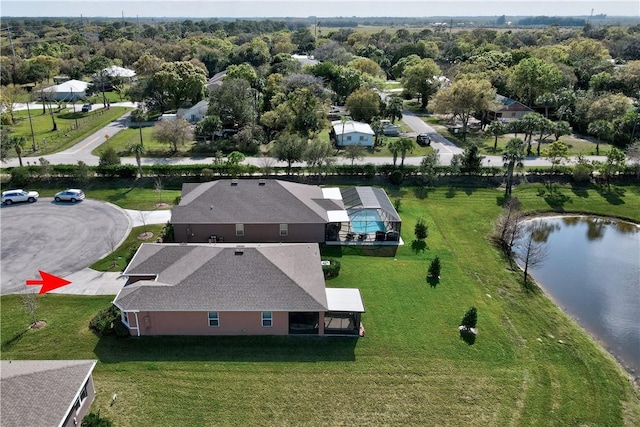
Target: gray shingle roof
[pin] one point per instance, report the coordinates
(40, 392)
(247, 202)
(202, 277)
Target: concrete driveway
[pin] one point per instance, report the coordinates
(59, 238)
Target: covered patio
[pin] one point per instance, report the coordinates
(345, 312)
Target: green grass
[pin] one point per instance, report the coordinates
(410, 369)
(126, 138)
(118, 260)
(577, 144)
(66, 135)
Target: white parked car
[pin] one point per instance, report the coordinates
(16, 196)
(69, 195)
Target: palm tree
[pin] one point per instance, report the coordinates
(599, 128)
(513, 156)
(497, 128)
(138, 150)
(406, 145)
(17, 143)
(394, 147)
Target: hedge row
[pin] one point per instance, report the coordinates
(227, 170)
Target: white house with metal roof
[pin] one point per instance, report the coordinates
(351, 133)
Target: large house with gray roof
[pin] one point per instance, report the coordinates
(228, 289)
(256, 210)
(44, 393)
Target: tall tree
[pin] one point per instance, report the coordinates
(512, 156)
(138, 150)
(532, 76)
(289, 148)
(405, 145)
(599, 128)
(497, 129)
(614, 163)
(363, 104)
(233, 103)
(464, 98)
(354, 152)
(17, 143)
(394, 148)
(471, 160)
(180, 83)
(422, 78)
(175, 132)
(394, 108)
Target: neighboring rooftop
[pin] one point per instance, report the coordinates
(225, 277)
(115, 71)
(68, 86)
(351, 126)
(40, 392)
(249, 201)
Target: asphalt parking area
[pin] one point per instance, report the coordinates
(59, 238)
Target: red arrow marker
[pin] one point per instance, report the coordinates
(49, 282)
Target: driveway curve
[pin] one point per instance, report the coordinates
(59, 238)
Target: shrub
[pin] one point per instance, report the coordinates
(167, 234)
(331, 270)
(120, 330)
(470, 318)
(582, 173)
(20, 177)
(95, 420)
(103, 322)
(132, 251)
(421, 229)
(397, 204)
(396, 177)
(434, 268)
(109, 157)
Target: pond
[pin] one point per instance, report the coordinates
(592, 270)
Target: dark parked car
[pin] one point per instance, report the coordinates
(86, 108)
(424, 140)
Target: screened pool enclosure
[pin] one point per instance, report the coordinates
(372, 216)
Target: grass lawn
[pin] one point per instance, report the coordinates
(577, 144)
(117, 260)
(66, 135)
(153, 148)
(410, 369)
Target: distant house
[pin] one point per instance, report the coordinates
(223, 289)
(252, 210)
(45, 392)
(351, 133)
(71, 90)
(216, 81)
(194, 113)
(115, 71)
(508, 109)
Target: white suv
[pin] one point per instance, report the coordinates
(16, 196)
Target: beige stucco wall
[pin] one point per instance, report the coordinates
(253, 233)
(197, 323)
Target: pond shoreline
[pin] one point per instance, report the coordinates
(632, 373)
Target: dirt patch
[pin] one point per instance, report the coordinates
(161, 205)
(145, 236)
(38, 325)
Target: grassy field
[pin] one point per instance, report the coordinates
(126, 138)
(410, 369)
(67, 134)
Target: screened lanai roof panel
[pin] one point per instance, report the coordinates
(369, 198)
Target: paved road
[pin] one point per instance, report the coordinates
(82, 150)
(59, 238)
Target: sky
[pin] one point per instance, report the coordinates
(305, 8)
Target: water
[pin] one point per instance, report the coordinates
(366, 221)
(592, 269)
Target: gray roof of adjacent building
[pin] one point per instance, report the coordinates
(257, 201)
(225, 277)
(41, 392)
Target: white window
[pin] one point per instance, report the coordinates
(361, 137)
(267, 319)
(284, 229)
(240, 230)
(349, 138)
(125, 318)
(214, 319)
